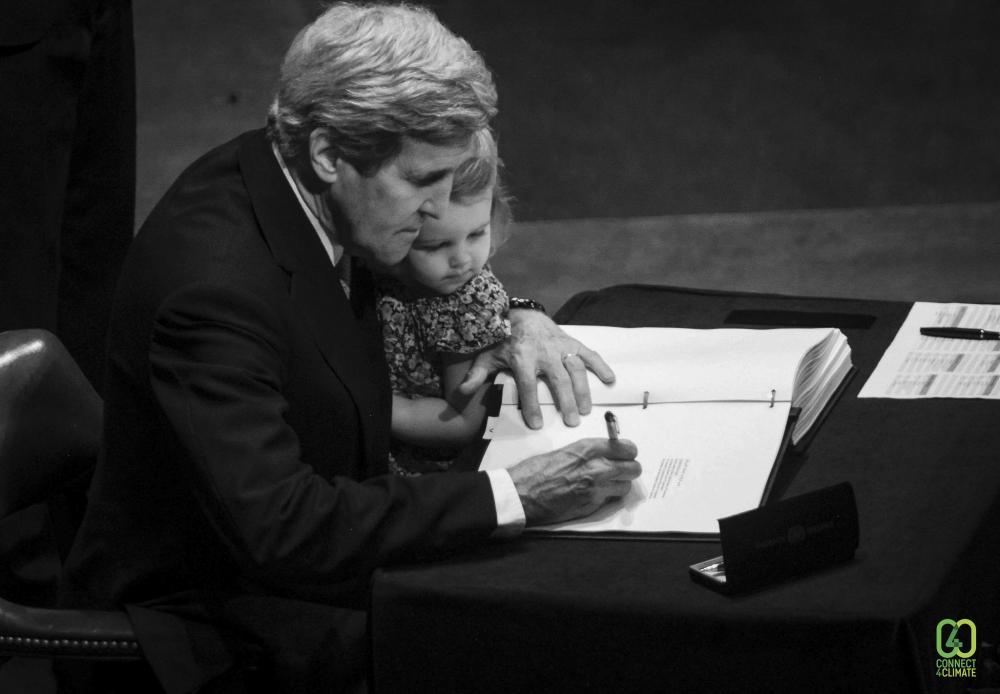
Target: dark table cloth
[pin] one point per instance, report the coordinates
(596, 615)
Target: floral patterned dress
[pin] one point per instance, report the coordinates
(417, 329)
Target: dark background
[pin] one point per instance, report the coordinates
(623, 109)
(673, 142)
(650, 108)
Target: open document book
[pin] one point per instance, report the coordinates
(708, 410)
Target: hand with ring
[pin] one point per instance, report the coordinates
(538, 348)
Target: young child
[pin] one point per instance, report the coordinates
(440, 309)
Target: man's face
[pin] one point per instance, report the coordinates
(382, 214)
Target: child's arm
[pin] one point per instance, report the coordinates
(453, 419)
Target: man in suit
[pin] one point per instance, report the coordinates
(242, 502)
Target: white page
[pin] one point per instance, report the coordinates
(700, 461)
(691, 365)
(918, 366)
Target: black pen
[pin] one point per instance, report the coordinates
(961, 333)
(612, 422)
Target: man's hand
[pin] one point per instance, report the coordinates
(575, 480)
(537, 347)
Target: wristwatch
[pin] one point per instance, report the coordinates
(514, 302)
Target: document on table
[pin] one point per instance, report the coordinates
(709, 410)
(919, 366)
(700, 461)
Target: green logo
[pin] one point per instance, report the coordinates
(956, 646)
(952, 642)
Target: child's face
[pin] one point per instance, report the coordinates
(452, 249)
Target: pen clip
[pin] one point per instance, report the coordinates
(773, 394)
(645, 399)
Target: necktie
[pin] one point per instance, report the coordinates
(344, 271)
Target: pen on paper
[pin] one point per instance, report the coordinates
(961, 333)
(612, 422)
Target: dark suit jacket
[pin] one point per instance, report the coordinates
(239, 500)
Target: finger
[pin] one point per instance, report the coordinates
(621, 449)
(580, 385)
(609, 471)
(599, 461)
(562, 392)
(625, 470)
(593, 361)
(475, 377)
(483, 365)
(527, 394)
(612, 449)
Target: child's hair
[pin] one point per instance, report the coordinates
(479, 174)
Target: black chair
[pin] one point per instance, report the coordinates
(50, 431)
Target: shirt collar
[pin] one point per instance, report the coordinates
(334, 250)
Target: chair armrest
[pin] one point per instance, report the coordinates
(66, 633)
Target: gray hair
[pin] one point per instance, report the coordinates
(372, 74)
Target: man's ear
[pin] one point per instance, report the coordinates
(322, 155)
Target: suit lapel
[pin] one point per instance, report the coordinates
(315, 285)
